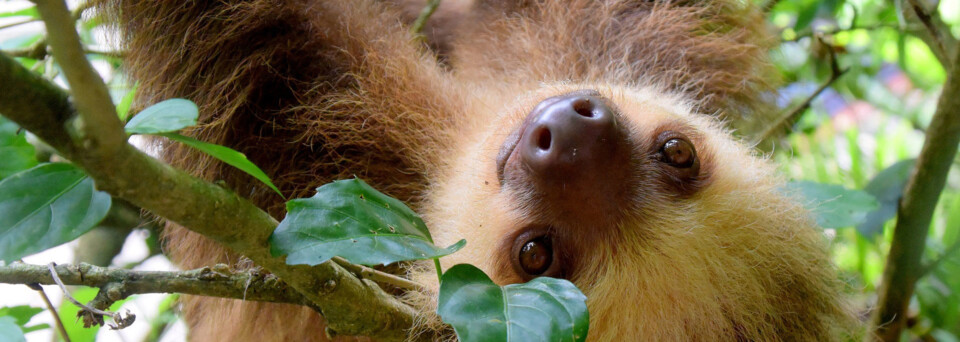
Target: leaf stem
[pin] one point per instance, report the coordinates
(53, 310)
(436, 263)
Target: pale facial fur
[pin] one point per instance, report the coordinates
(734, 260)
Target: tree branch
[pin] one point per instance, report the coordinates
(937, 34)
(916, 208)
(98, 123)
(947, 254)
(350, 305)
(215, 281)
(833, 31)
(790, 116)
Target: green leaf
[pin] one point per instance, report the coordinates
(26, 12)
(805, 15)
(350, 219)
(167, 116)
(21, 313)
(887, 186)
(834, 206)
(123, 108)
(46, 206)
(37, 327)
(10, 331)
(16, 153)
(227, 155)
(543, 309)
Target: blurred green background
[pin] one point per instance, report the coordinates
(862, 132)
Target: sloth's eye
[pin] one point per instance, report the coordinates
(535, 253)
(536, 256)
(678, 153)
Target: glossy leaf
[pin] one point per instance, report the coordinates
(350, 219)
(16, 154)
(46, 206)
(834, 206)
(543, 309)
(887, 186)
(167, 116)
(226, 155)
(10, 331)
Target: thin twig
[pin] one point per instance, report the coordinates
(39, 51)
(949, 252)
(381, 277)
(53, 311)
(216, 281)
(119, 321)
(792, 115)
(836, 30)
(36, 51)
(425, 14)
(769, 5)
(18, 23)
(927, 20)
(933, 31)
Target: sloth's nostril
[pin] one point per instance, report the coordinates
(543, 139)
(573, 153)
(583, 107)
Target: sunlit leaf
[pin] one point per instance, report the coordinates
(46, 206)
(834, 206)
(123, 108)
(350, 219)
(21, 313)
(543, 309)
(167, 116)
(25, 12)
(227, 155)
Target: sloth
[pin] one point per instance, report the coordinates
(584, 140)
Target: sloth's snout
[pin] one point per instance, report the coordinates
(572, 158)
(568, 134)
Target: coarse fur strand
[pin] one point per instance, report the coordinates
(313, 91)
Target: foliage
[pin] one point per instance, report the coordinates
(850, 155)
(543, 309)
(46, 206)
(864, 133)
(168, 117)
(350, 219)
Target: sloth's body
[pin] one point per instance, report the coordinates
(562, 139)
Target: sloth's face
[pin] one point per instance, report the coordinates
(652, 211)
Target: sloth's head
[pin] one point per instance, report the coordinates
(670, 227)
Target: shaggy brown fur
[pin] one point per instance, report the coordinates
(314, 91)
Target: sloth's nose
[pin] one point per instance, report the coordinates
(568, 134)
(573, 159)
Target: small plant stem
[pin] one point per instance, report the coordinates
(53, 310)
